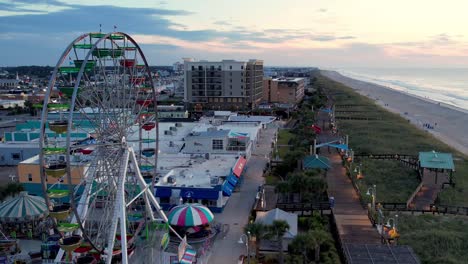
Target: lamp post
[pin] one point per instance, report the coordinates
(241, 241)
(357, 169)
(372, 191)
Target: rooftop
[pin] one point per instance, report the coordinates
(288, 79)
(436, 160)
(200, 172)
(261, 119)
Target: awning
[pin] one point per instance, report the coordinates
(227, 188)
(340, 146)
(239, 167)
(163, 192)
(232, 179)
(208, 193)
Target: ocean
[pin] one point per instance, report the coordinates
(449, 86)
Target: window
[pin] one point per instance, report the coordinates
(230, 74)
(193, 68)
(29, 177)
(230, 67)
(230, 86)
(230, 80)
(217, 144)
(242, 86)
(242, 67)
(15, 156)
(242, 74)
(230, 93)
(242, 93)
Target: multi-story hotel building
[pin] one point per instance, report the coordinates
(224, 85)
(283, 90)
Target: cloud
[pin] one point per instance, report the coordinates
(222, 23)
(330, 38)
(17, 8)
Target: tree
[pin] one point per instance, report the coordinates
(258, 230)
(318, 237)
(276, 232)
(313, 240)
(302, 244)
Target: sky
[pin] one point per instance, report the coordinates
(322, 33)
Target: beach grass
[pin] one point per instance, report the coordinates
(284, 136)
(435, 239)
(384, 132)
(389, 176)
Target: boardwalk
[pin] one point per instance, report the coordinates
(351, 219)
(429, 191)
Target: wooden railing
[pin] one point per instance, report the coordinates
(434, 209)
(304, 207)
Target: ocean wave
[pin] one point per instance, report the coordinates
(441, 90)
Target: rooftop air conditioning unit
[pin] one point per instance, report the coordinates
(171, 179)
(167, 132)
(178, 124)
(173, 128)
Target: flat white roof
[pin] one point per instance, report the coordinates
(244, 118)
(201, 172)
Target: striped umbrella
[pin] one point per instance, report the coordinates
(23, 207)
(190, 215)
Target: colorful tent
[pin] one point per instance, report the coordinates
(22, 208)
(190, 215)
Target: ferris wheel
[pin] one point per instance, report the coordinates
(99, 148)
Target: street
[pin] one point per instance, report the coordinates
(226, 249)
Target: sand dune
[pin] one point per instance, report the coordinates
(450, 123)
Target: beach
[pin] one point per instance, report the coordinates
(447, 123)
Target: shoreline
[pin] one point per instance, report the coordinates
(453, 107)
(448, 123)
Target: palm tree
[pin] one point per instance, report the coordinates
(318, 237)
(276, 231)
(258, 230)
(302, 244)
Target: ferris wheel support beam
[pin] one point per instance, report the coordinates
(120, 213)
(149, 191)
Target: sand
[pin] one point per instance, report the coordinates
(450, 124)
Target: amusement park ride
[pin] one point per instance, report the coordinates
(95, 188)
